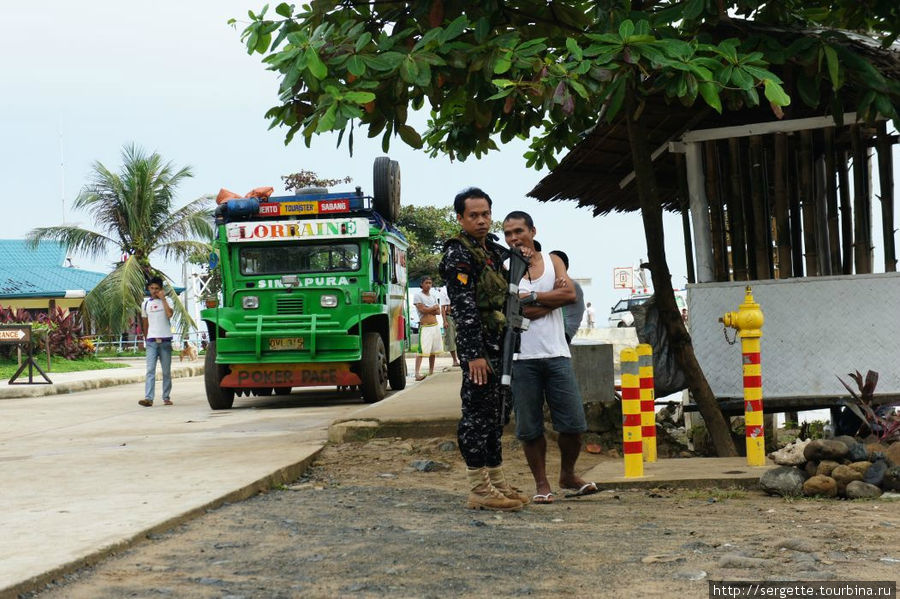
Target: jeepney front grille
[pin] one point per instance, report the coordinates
(289, 305)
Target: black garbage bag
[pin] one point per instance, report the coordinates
(668, 377)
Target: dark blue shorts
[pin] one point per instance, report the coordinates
(552, 379)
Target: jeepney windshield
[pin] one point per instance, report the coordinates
(294, 259)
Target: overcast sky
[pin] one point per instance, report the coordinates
(81, 79)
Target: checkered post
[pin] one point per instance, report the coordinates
(648, 401)
(753, 402)
(748, 321)
(632, 446)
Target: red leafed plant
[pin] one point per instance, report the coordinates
(63, 333)
(885, 427)
(61, 328)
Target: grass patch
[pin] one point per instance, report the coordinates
(9, 367)
(127, 353)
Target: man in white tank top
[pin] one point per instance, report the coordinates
(543, 367)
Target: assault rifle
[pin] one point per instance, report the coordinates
(516, 324)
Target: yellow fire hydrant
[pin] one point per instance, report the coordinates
(748, 321)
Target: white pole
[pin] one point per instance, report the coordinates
(699, 213)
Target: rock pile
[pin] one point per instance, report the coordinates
(839, 467)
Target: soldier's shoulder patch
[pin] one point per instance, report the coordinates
(462, 278)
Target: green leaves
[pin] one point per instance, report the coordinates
(285, 10)
(454, 29)
(833, 67)
(775, 93)
(574, 49)
(710, 94)
(524, 69)
(315, 64)
(694, 8)
(410, 136)
(503, 62)
(359, 97)
(356, 65)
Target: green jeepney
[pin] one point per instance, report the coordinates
(314, 291)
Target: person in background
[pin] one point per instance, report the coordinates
(427, 305)
(590, 316)
(449, 326)
(572, 313)
(156, 314)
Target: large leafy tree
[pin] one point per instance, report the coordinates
(547, 71)
(134, 213)
(427, 228)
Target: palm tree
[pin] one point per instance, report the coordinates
(133, 212)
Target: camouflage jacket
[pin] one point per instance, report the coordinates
(460, 270)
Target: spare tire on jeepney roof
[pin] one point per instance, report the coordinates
(386, 187)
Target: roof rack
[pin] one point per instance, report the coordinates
(304, 206)
(313, 205)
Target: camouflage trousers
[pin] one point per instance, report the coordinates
(480, 426)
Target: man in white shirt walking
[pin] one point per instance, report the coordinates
(156, 314)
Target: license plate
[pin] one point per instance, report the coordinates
(285, 343)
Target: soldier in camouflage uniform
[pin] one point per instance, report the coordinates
(472, 267)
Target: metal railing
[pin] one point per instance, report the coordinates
(132, 344)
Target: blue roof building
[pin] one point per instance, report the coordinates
(31, 278)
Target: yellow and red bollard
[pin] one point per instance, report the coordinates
(632, 445)
(648, 401)
(748, 321)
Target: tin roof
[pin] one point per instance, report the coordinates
(40, 272)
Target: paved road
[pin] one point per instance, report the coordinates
(84, 473)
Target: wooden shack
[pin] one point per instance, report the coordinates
(763, 197)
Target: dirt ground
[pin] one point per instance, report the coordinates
(363, 522)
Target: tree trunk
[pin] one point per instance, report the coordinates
(670, 316)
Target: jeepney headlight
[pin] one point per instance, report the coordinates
(250, 302)
(328, 301)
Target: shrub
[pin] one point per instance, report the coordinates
(61, 328)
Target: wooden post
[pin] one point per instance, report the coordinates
(831, 201)
(735, 203)
(807, 206)
(794, 198)
(759, 203)
(685, 198)
(699, 213)
(716, 216)
(782, 222)
(846, 215)
(821, 212)
(886, 179)
(862, 225)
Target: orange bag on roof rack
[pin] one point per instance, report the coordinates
(262, 193)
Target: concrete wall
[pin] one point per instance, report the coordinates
(815, 329)
(594, 371)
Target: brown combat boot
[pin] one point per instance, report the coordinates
(509, 491)
(484, 496)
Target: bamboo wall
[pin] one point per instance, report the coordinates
(782, 205)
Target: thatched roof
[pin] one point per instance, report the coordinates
(596, 172)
